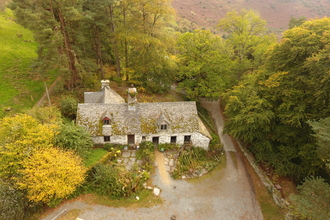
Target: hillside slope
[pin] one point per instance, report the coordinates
(277, 13)
(19, 87)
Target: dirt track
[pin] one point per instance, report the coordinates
(227, 194)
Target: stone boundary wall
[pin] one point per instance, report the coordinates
(277, 197)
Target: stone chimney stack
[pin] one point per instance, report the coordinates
(132, 100)
(105, 84)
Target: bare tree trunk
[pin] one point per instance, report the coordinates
(114, 43)
(99, 51)
(125, 47)
(69, 53)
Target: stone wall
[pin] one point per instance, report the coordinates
(276, 194)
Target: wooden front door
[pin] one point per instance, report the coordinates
(155, 140)
(131, 139)
(173, 140)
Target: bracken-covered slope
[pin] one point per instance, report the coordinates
(277, 13)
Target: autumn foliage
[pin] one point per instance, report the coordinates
(51, 174)
(31, 163)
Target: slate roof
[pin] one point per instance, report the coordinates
(181, 117)
(105, 95)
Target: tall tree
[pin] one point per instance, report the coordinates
(248, 36)
(294, 82)
(144, 42)
(203, 64)
(251, 116)
(313, 199)
(322, 134)
(54, 23)
(100, 20)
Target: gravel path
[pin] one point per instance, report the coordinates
(227, 194)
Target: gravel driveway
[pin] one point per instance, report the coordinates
(227, 194)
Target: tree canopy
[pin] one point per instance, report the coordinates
(19, 136)
(313, 199)
(204, 64)
(276, 95)
(249, 38)
(55, 26)
(30, 163)
(78, 38)
(287, 91)
(322, 134)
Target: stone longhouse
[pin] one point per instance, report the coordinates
(110, 120)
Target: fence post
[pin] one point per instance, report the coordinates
(50, 104)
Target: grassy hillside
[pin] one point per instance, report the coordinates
(20, 87)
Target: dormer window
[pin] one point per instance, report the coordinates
(163, 127)
(162, 123)
(106, 121)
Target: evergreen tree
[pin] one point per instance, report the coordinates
(313, 200)
(322, 134)
(54, 24)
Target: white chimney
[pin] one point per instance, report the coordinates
(132, 100)
(105, 84)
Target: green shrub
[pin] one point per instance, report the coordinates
(58, 89)
(144, 146)
(215, 143)
(146, 154)
(168, 146)
(74, 137)
(109, 146)
(195, 160)
(68, 106)
(116, 79)
(45, 115)
(115, 182)
(114, 154)
(14, 204)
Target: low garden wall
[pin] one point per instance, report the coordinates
(276, 194)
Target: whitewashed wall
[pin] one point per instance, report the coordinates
(198, 139)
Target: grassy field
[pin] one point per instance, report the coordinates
(20, 87)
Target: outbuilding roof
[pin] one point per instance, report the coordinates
(105, 95)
